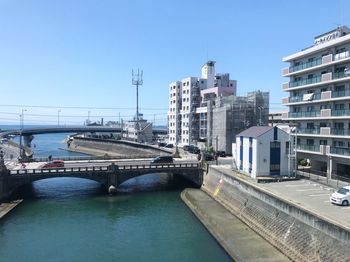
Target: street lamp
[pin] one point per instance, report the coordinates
(88, 121)
(293, 147)
(21, 123)
(58, 117)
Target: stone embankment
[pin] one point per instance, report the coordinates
(117, 148)
(300, 235)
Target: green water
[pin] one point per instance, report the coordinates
(68, 219)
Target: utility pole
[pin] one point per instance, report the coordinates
(137, 81)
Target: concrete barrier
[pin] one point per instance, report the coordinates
(115, 148)
(300, 235)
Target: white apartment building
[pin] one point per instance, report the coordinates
(319, 101)
(187, 96)
(141, 131)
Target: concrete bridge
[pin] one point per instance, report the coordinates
(110, 176)
(27, 133)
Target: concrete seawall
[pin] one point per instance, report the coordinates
(300, 235)
(101, 147)
(233, 235)
(6, 207)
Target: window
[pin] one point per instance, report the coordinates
(339, 88)
(327, 106)
(339, 125)
(338, 143)
(339, 106)
(310, 126)
(310, 142)
(340, 50)
(310, 108)
(323, 142)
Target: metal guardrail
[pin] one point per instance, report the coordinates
(102, 168)
(335, 181)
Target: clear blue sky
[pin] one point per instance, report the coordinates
(80, 53)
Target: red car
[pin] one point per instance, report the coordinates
(54, 163)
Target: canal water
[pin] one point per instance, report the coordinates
(70, 219)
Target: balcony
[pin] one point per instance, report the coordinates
(309, 131)
(304, 114)
(345, 112)
(325, 60)
(302, 66)
(338, 132)
(342, 151)
(342, 93)
(341, 56)
(303, 82)
(338, 75)
(312, 148)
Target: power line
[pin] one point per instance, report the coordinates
(82, 107)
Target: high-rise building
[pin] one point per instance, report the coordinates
(319, 101)
(188, 101)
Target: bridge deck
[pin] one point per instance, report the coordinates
(110, 168)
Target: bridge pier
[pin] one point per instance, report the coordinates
(4, 177)
(113, 179)
(27, 139)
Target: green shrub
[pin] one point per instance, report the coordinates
(303, 162)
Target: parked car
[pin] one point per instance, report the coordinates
(169, 146)
(341, 196)
(161, 144)
(54, 163)
(193, 149)
(186, 147)
(162, 159)
(221, 153)
(208, 157)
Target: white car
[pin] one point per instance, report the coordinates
(341, 197)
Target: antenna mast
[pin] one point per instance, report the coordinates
(137, 81)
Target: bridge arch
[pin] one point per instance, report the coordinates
(112, 175)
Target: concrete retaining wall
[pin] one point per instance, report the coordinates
(300, 235)
(115, 148)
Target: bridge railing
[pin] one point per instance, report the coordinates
(86, 158)
(59, 170)
(103, 168)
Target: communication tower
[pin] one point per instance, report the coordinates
(137, 81)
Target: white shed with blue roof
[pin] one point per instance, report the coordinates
(262, 151)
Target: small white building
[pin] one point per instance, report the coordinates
(143, 133)
(261, 151)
